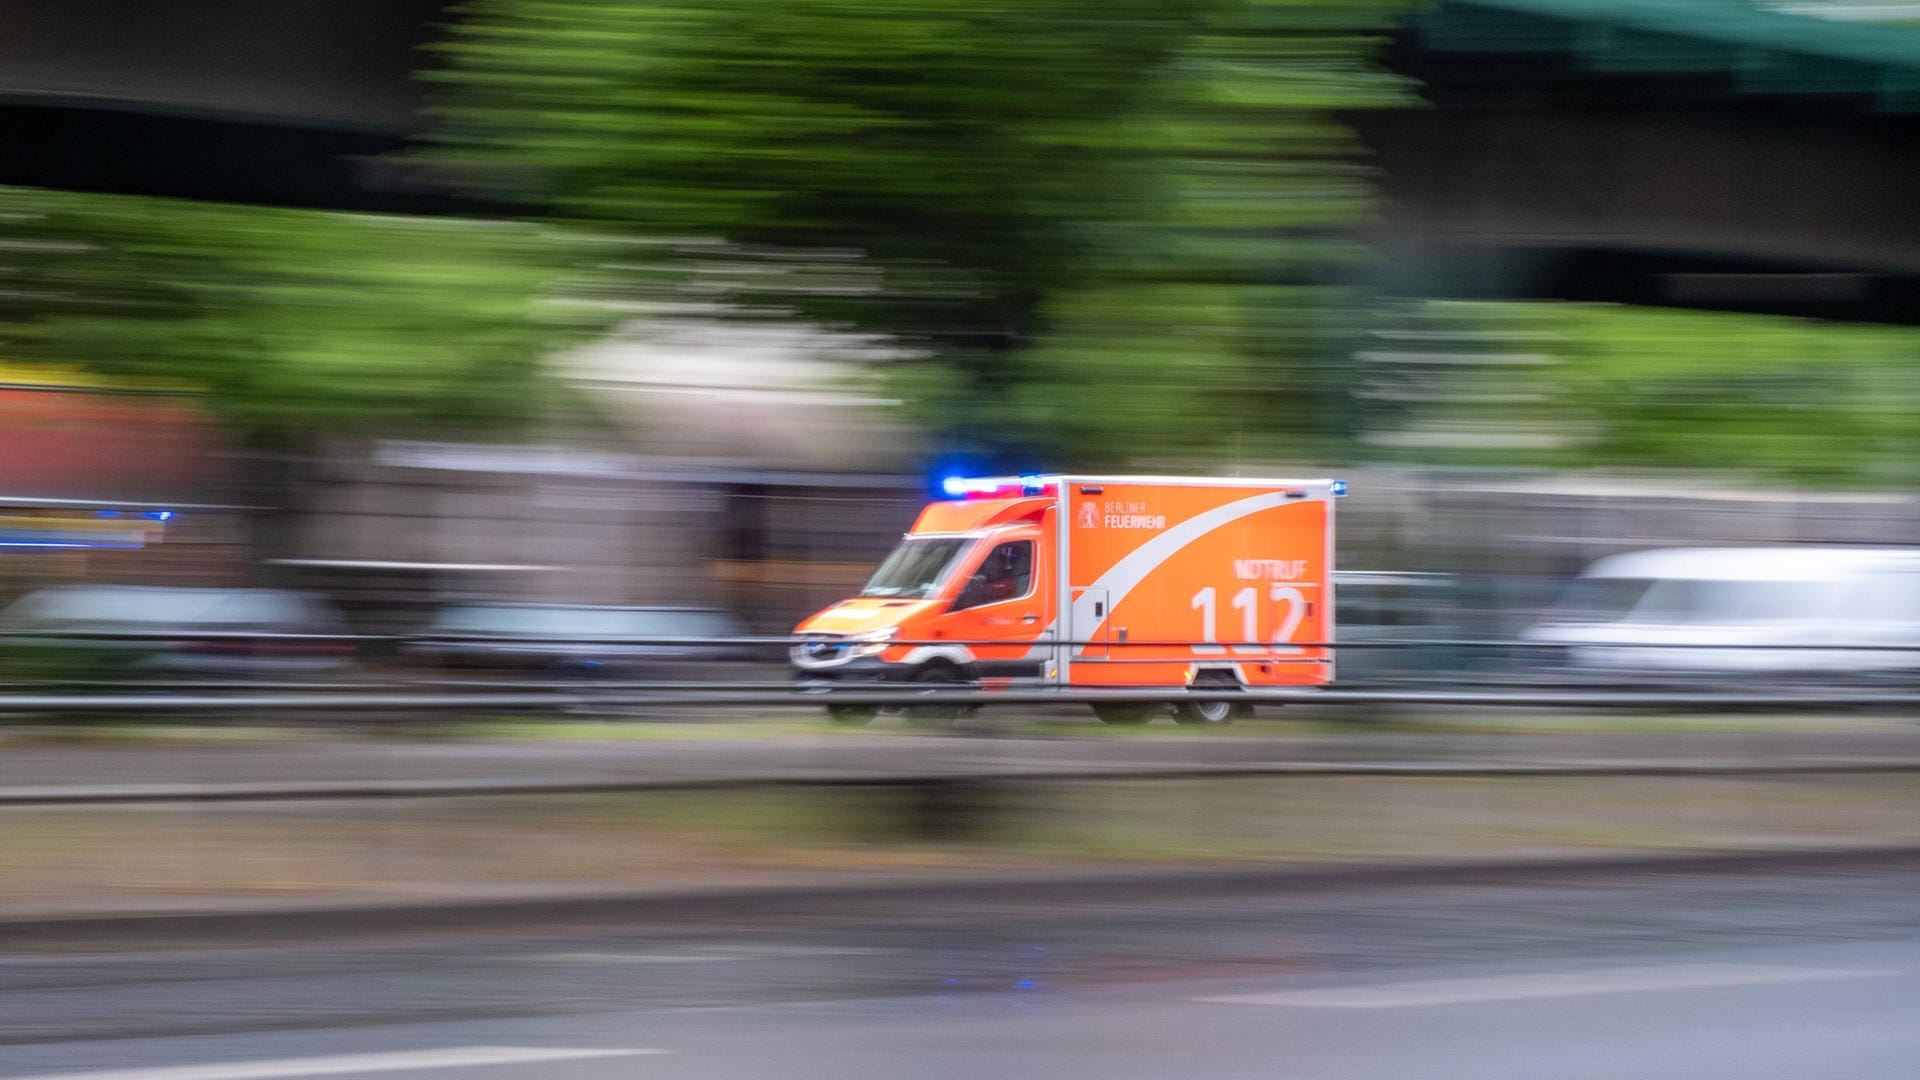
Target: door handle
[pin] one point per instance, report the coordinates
(1029, 617)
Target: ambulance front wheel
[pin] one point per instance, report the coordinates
(940, 677)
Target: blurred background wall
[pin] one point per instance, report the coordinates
(1592, 214)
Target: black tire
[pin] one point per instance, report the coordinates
(938, 675)
(1125, 713)
(1211, 712)
(852, 715)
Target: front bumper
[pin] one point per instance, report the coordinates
(859, 669)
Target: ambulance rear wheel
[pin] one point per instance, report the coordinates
(1204, 712)
(1211, 712)
(1124, 714)
(852, 715)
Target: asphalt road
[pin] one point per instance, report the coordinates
(329, 759)
(1748, 976)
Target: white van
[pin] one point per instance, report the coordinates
(1742, 611)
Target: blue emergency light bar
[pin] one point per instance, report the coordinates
(959, 487)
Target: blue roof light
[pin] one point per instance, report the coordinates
(1337, 488)
(958, 487)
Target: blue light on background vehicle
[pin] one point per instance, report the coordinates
(1337, 488)
(159, 515)
(69, 545)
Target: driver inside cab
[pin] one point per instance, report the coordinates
(1006, 572)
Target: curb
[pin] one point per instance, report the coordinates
(920, 898)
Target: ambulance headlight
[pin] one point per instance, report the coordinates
(875, 643)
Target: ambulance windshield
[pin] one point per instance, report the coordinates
(916, 567)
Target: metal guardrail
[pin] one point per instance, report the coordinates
(784, 642)
(127, 794)
(909, 696)
(420, 692)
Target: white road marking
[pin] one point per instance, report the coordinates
(625, 958)
(804, 950)
(1625, 980)
(1096, 764)
(452, 1057)
(719, 954)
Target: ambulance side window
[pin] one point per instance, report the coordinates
(1005, 574)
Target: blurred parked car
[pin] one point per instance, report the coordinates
(577, 640)
(1741, 613)
(112, 631)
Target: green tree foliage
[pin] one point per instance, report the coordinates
(290, 323)
(1106, 224)
(1627, 387)
(1797, 399)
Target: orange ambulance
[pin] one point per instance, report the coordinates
(1119, 582)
